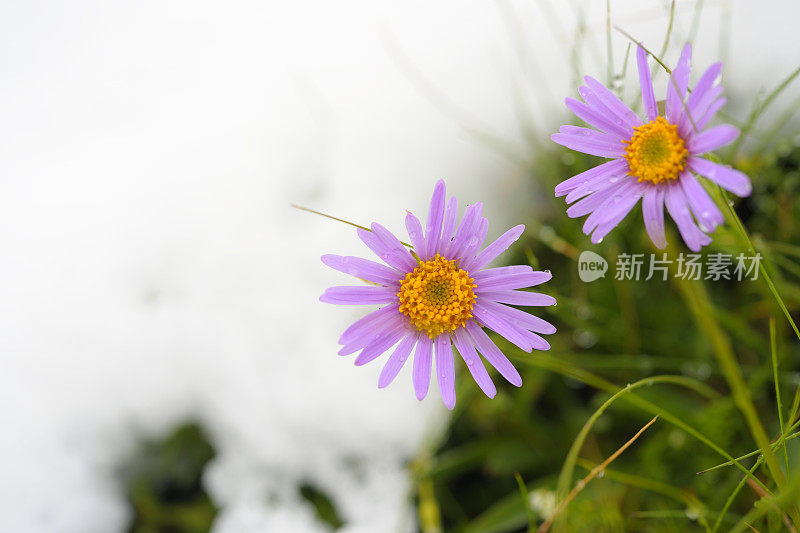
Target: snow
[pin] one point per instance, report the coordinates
(153, 272)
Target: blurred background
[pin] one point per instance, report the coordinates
(164, 362)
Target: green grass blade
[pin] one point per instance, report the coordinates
(773, 345)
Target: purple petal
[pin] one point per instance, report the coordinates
(653, 214)
(395, 247)
(612, 102)
(433, 227)
(379, 247)
(450, 218)
(445, 370)
(699, 110)
(526, 324)
(618, 211)
(593, 201)
(581, 132)
(370, 322)
(397, 360)
(518, 297)
(523, 320)
(500, 272)
(679, 211)
(679, 79)
(715, 106)
(415, 234)
(359, 295)
(537, 342)
(512, 281)
(589, 145)
(466, 348)
(646, 83)
(698, 96)
(493, 354)
(596, 105)
(496, 248)
(726, 177)
(362, 268)
(611, 197)
(595, 118)
(468, 226)
(607, 169)
(421, 372)
(707, 81)
(511, 332)
(705, 210)
(475, 241)
(598, 184)
(712, 138)
(381, 344)
(364, 337)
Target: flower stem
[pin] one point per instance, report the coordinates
(697, 299)
(359, 226)
(750, 248)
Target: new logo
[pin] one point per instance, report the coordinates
(591, 266)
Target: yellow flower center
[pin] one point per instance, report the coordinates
(656, 152)
(437, 296)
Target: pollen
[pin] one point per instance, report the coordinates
(656, 153)
(437, 296)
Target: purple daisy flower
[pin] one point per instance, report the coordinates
(653, 160)
(440, 294)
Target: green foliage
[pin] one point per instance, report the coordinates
(323, 506)
(164, 484)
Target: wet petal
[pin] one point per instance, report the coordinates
(396, 361)
(726, 177)
(466, 348)
(421, 372)
(445, 370)
(492, 354)
(646, 83)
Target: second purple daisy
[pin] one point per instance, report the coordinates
(654, 160)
